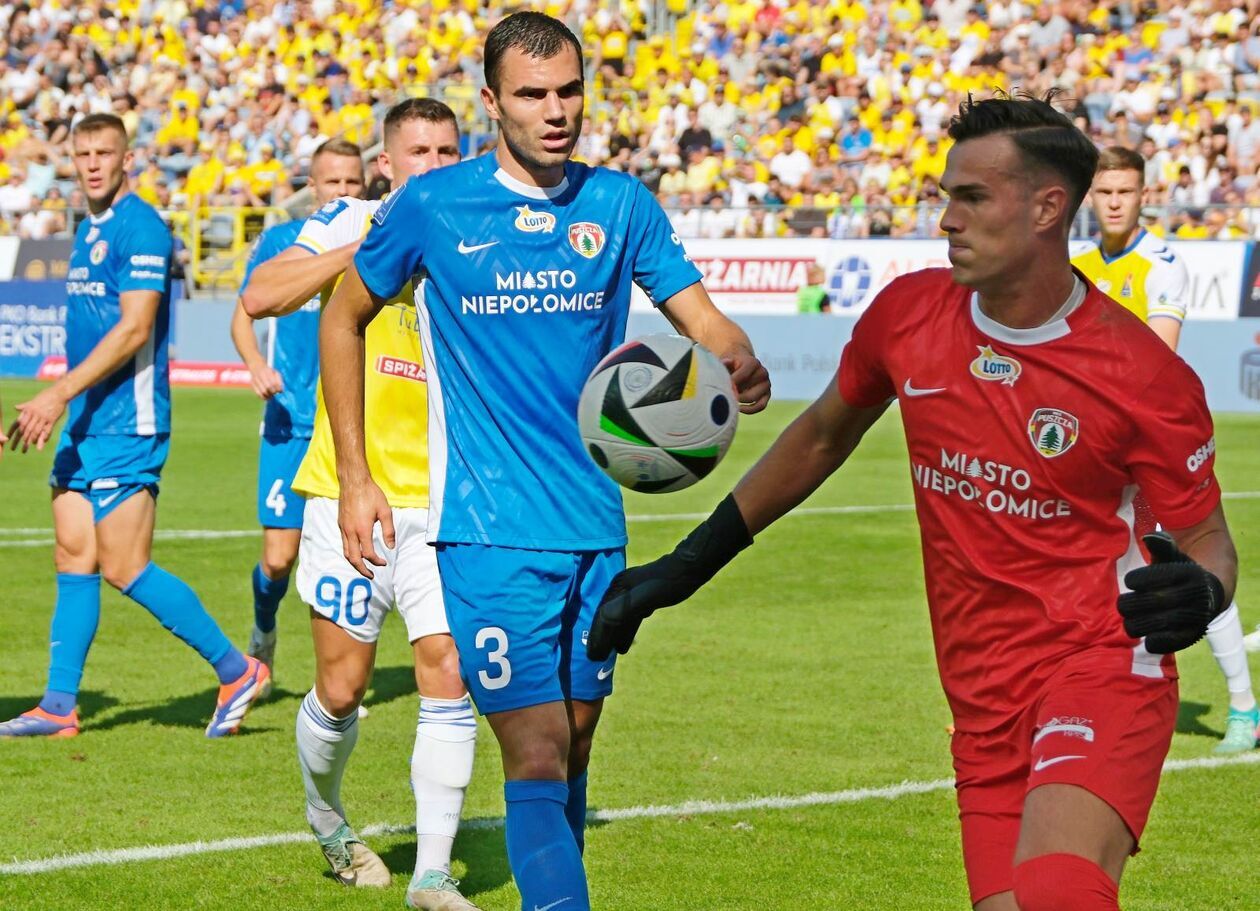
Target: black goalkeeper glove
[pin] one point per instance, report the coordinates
(638, 591)
(1172, 601)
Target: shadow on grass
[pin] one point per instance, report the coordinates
(1189, 721)
(91, 703)
(481, 850)
(390, 683)
(190, 711)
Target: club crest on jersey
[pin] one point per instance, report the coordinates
(1053, 431)
(99, 249)
(1126, 290)
(586, 238)
(990, 366)
(532, 222)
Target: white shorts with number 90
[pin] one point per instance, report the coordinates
(335, 590)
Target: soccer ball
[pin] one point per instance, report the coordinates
(658, 413)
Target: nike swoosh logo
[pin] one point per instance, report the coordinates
(553, 904)
(1043, 762)
(603, 673)
(465, 249)
(105, 501)
(912, 392)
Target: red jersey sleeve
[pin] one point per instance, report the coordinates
(863, 378)
(1173, 450)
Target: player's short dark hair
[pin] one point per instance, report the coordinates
(1118, 158)
(427, 109)
(94, 123)
(535, 34)
(1046, 139)
(343, 147)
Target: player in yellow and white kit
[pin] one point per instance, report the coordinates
(346, 609)
(1142, 273)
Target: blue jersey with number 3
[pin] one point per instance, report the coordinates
(525, 290)
(292, 347)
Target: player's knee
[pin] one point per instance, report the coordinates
(120, 573)
(540, 758)
(340, 697)
(1064, 882)
(437, 667)
(278, 559)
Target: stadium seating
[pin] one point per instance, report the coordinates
(747, 117)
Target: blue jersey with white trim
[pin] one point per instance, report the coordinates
(525, 290)
(292, 347)
(125, 248)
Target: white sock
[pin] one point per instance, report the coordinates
(324, 745)
(441, 766)
(1225, 637)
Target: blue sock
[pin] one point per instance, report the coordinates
(74, 622)
(575, 810)
(541, 851)
(178, 608)
(268, 594)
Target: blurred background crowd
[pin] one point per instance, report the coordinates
(746, 117)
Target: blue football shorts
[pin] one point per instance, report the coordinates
(278, 462)
(520, 619)
(109, 468)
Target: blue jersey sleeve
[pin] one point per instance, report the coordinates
(662, 267)
(393, 251)
(144, 257)
(268, 244)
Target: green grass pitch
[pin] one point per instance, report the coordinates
(806, 667)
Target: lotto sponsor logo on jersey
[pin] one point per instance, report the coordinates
(991, 485)
(532, 222)
(519, 294)
(586, 238)
(399, 367)
(989, 365)
(1200, 456)
(1052, 431)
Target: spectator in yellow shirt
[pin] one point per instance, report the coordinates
(204, 180)
(268, 178)
(181, 130)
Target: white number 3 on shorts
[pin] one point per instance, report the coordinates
(495, 637)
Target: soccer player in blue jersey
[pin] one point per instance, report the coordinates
(527, 260)
(109, 460)
(285, 379)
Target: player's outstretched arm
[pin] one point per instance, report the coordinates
(37, 417)
(288, 280)
(1191, 579)
(342, 330)
(691, 311)
(805, 454)
(265, 379)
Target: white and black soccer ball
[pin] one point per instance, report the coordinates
(658, 413)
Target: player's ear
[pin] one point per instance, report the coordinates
(1050, 204)
(490, 102)
(384, 166)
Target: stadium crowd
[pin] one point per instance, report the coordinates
(746, 117)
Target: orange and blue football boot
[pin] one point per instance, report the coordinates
(39, 723)
(236, 697)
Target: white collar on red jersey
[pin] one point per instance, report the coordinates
(1054, 328)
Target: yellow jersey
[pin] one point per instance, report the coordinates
(1146, 277)
(395, 398)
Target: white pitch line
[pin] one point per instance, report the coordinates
(687, 808)
(208, 534)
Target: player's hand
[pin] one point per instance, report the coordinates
(751, 381)
(633, 596)
(359, 508)
(36, 419)
(636, 593)
(1172, 600)
(266, 381)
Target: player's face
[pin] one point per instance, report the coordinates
(538, 106)
(417, 147)
(993, 212)
(334, 176)
(1117, 200)
(101, 161)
